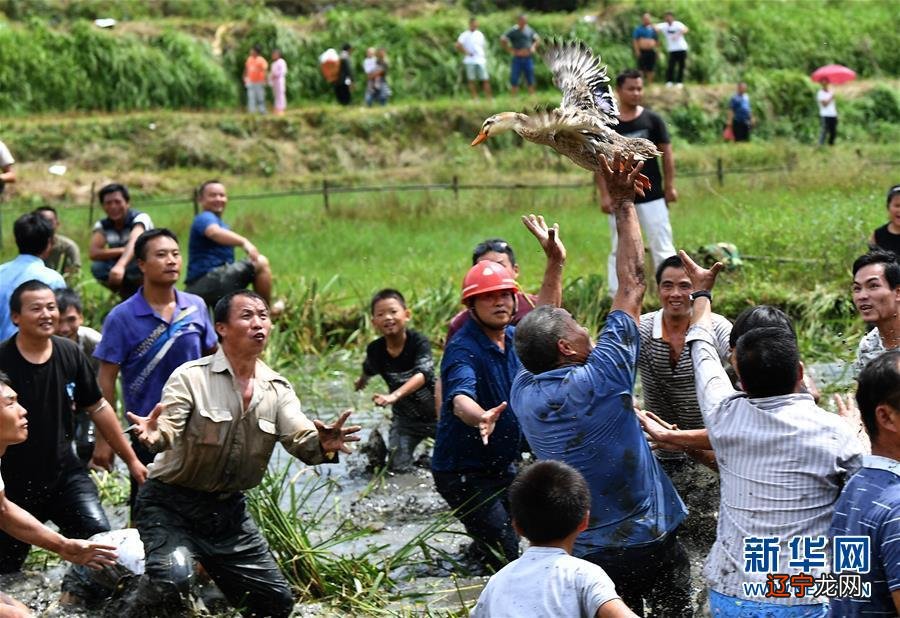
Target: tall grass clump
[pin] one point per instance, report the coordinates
(85, 68)
(303, 526)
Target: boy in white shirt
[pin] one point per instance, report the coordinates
(676, 46)
(549, 503)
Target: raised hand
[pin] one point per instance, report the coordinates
(701, 278)
(335, 437)
(92, 555)
(146, 429)
(547, 236)
(489, 421)
(623, 177)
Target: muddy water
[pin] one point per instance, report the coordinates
(395, 510)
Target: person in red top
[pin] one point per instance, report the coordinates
(255, 80)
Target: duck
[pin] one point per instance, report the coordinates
(581, 127)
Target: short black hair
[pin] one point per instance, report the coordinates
(114, 188)
(895, 190)
(346, 47)
(767, 361)
(33, 233)
(67, 297)
(205, 184)
(384, 295)
(625, 75)
(46, 208)
(548, 500)
(140, 245)
(537, 336)
(223, 305)
(673, 261)
(758, 317)
(878, 383)
(32, 285)
(5, 379)
(497, 245)
(257, 48)
(880, 256)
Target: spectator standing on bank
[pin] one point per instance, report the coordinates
(644, 41)
(677, 48)
(471, 44)
(827, 113)
(344, 82)
(255, 80)
(740, 117)
(277, 78)
(521, 41)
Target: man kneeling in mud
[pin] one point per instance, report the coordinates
(215, 428)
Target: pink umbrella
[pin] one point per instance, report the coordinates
(834, 73)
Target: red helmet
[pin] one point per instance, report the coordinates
(487, 276)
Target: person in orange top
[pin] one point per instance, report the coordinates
(255, 81)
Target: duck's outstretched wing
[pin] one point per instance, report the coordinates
(582, 80)
(548, 125)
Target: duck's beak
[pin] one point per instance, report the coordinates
(479, 138)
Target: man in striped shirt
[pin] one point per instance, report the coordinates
(667, 377)
(782, 460)
(870, 504)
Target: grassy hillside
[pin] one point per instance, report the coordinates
(195, 60)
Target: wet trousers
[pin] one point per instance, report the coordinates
(654, 220)
(484, 511)
(72, 503)
(404, 437)
(180, 525)
(658, 574)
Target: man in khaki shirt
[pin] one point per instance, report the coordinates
(215, 429)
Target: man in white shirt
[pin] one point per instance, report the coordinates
(677, 47)
(827, 113)
(471, 44)
(782, 462)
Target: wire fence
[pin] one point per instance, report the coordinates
(327, 189)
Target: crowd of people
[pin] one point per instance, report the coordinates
(728, 447)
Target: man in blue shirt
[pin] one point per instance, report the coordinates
(644, 41)
(740, 118)
(150, 335)
(521, 41)
(33, 238)
(869, 505)
(574, 404)
(478, 438)
(212, 271)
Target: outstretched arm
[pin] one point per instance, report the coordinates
(22, 525)
(622, 182)
(551, 286)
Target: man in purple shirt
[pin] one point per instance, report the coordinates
(151, 334)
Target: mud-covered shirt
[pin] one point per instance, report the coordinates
(582, 415)
(648, 126)
(47, 391)
(396, 371)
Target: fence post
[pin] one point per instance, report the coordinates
(325, 193)
(91, 207)
(720, 171)
(194, 199)
(456, 187)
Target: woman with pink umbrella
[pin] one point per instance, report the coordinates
(827, 75)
